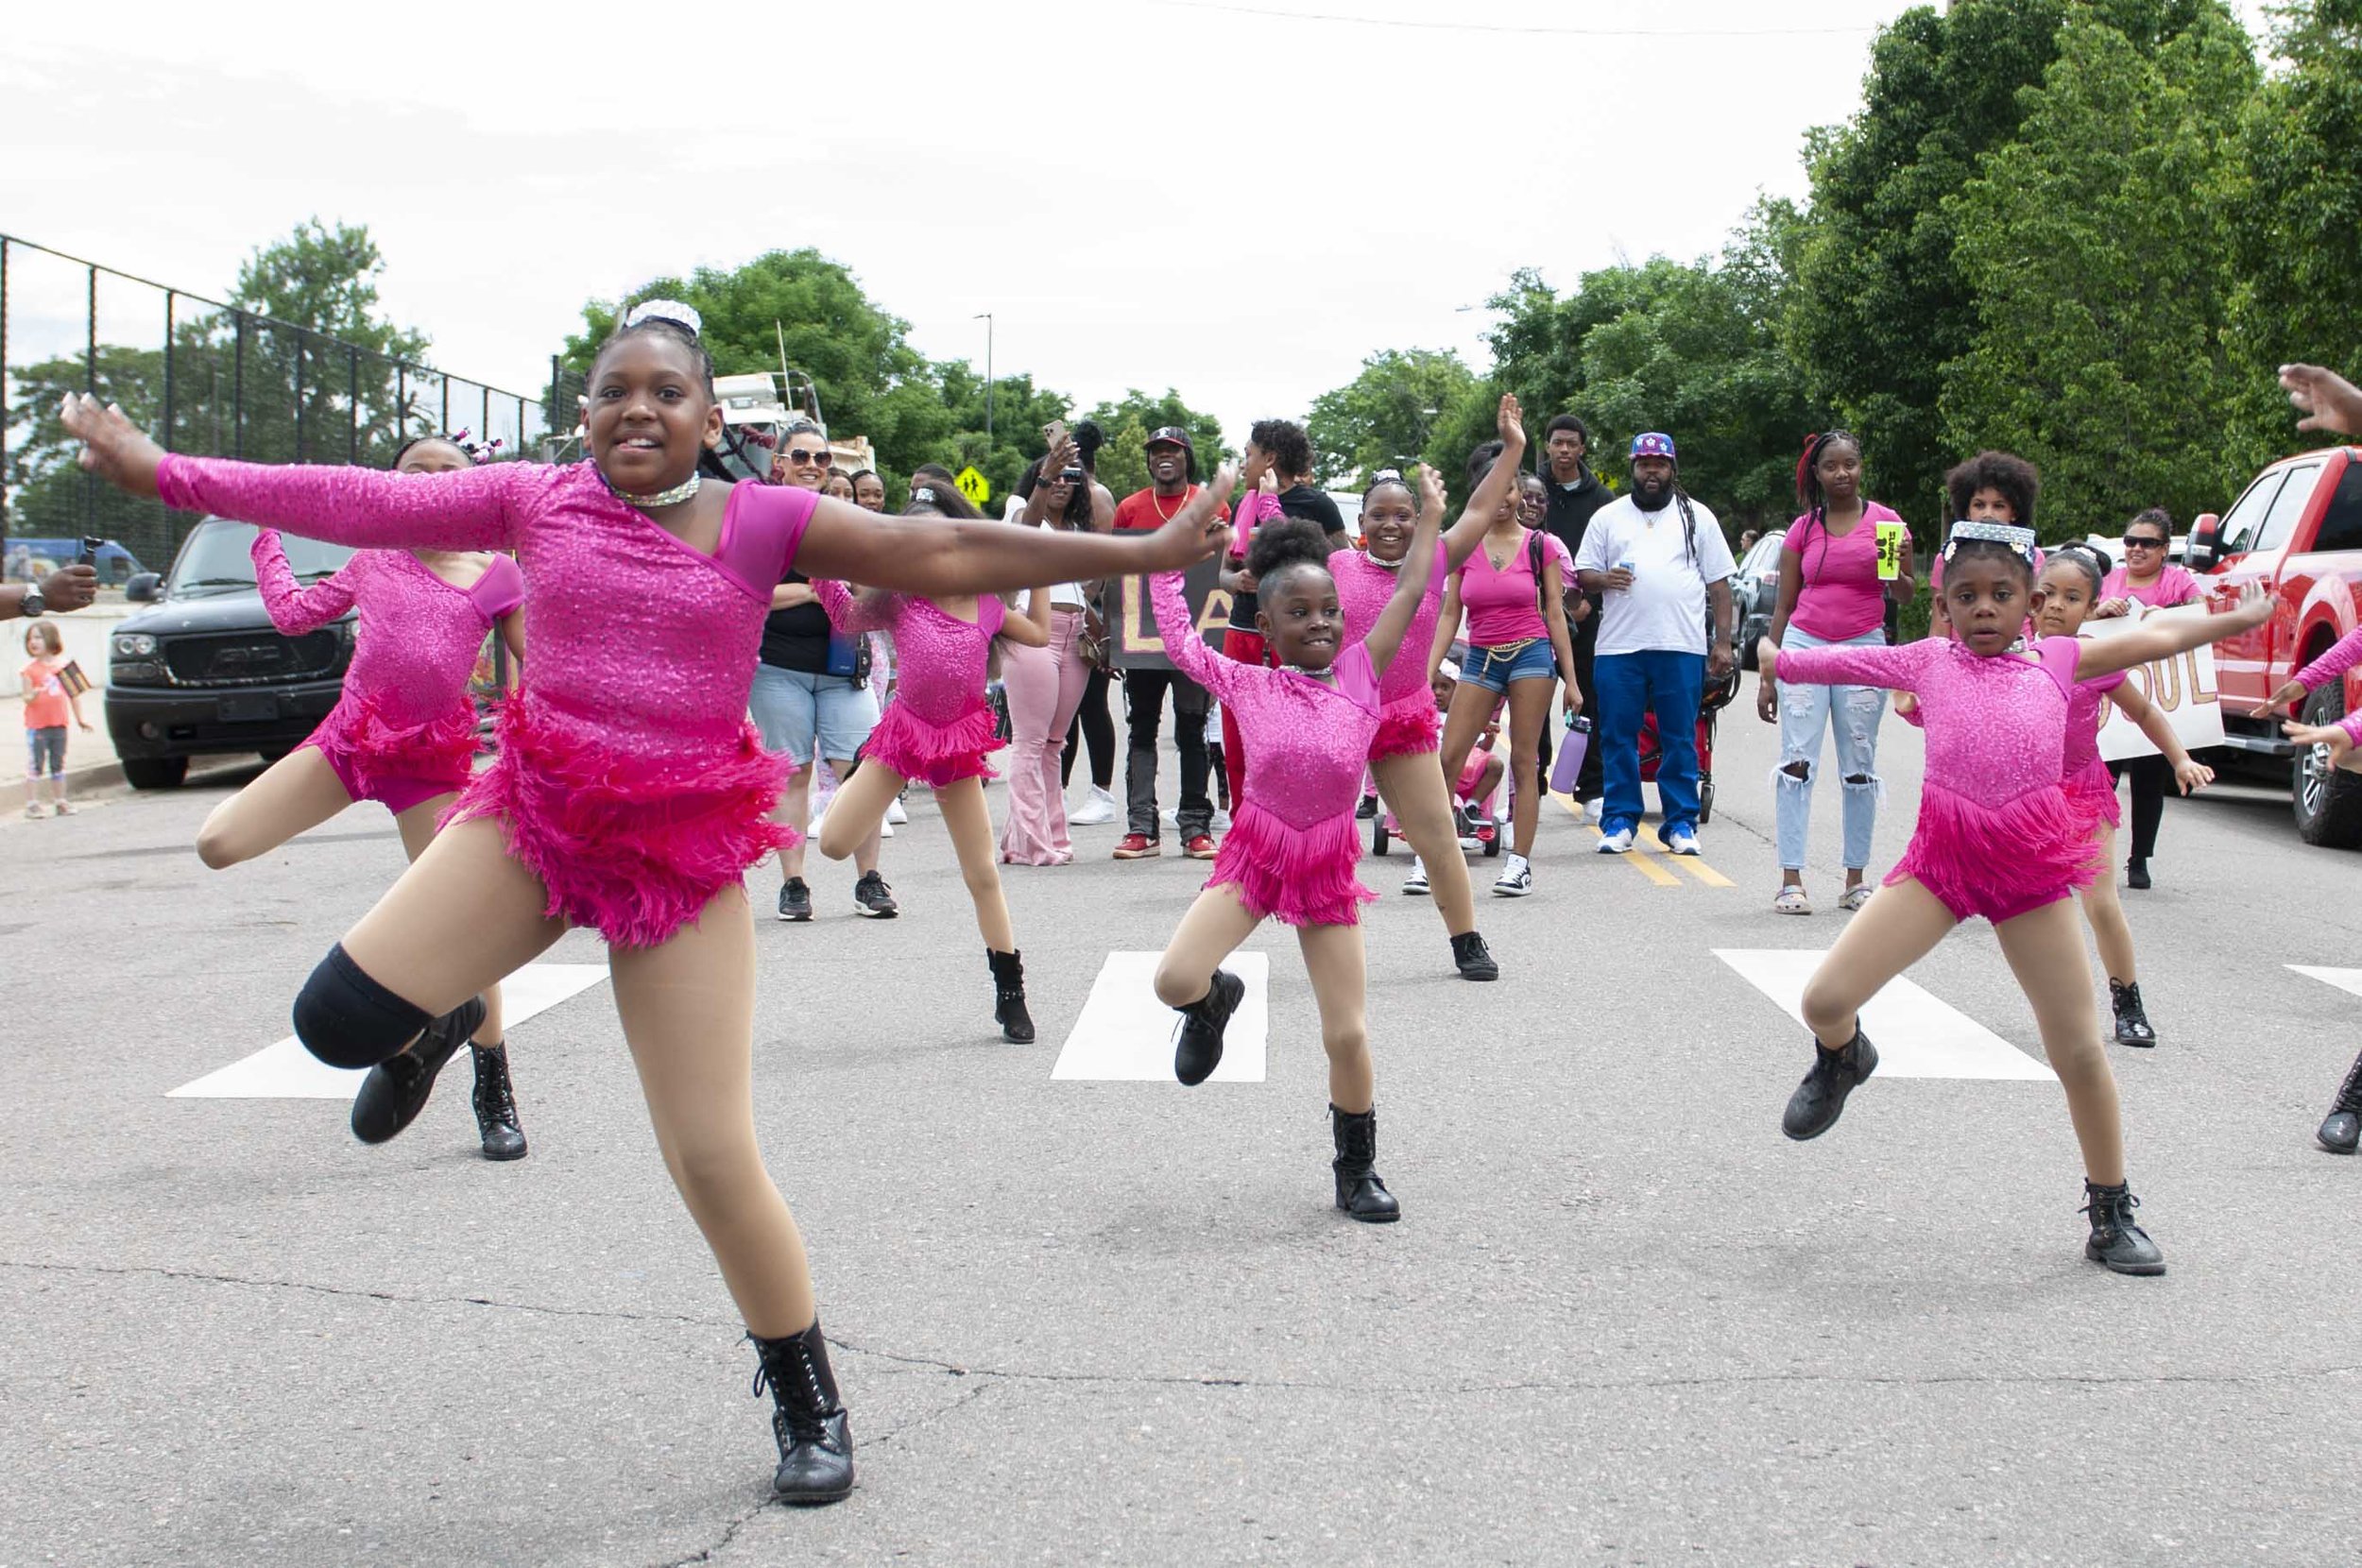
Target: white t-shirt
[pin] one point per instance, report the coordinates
(1665, 609)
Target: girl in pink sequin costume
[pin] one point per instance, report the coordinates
(628, 794)
(1291, 846)
(403, 735)
(2069, 587)
(1405, 755)
(936, 732)
(1997, 838)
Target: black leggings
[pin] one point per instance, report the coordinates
(1096, 730)
(2152, 779)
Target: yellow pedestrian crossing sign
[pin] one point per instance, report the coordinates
(972, 484)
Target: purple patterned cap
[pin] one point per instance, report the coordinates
(1653, 444)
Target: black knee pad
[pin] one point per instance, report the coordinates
(349, 1020)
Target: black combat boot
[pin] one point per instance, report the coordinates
(1818, 1102)
(1473, 958)
(1361, 1192)
(496, 1106)
(395, 1091)
(816, 1437)
(2343, 1127)
(1008, 997)
(1197, 1043)
(2116, 1241)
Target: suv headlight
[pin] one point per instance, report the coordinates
(134, 645)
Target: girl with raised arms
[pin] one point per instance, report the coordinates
(630, 793)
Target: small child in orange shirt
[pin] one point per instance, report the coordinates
(52, 695)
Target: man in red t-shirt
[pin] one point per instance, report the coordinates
(1172, 468)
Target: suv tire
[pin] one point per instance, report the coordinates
(158, 773)
(2327, 800)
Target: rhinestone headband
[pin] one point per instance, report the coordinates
(666, 310)
(2020, 540)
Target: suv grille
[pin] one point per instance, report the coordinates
(252, 658)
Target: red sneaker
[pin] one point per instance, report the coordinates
(1200, 847)
(1137, 846)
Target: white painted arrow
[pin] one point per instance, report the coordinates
(1126, 1033)
(1917, 1035)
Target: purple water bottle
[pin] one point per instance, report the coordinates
(1568, 765)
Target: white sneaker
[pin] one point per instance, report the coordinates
(1617, 843)
(1416, 881)
(1170, 817)
(896, 815)
(1097, 810)
(1222, 820)
(1681, 840)
(1591, 810)
(1516, 876)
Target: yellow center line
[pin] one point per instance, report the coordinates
(1690, 863)
(1644, 863)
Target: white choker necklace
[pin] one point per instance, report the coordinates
(1383, 566)
(673, 497)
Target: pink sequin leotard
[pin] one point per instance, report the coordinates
(628, 778)
(1995, 836)
(2091, 788)
(2341, 657)
(404, 730)
(938, 727)
(1291, 846)
(1406, 722)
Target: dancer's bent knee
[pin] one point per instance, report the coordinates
(349, 1020)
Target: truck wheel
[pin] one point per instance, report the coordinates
(2327, 800)
(155, 773)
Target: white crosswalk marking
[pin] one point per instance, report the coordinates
(1917, 1035)
(287, 1071)
(2349, 980)
(1126, 1033)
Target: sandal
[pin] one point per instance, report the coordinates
(1856, 897)
(1791, 900)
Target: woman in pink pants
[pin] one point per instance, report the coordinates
(1045, 685)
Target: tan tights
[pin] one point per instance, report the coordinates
(1214, 927)
(466, 915)
(1414, 788)
(861, 805)
(2105, 910)
(296, 794)
(1903, 923)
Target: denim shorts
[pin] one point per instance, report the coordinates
(1494, 669)
(45, 751)
(793, 708)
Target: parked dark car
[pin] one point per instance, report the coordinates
(202, 671)
(1755, 590)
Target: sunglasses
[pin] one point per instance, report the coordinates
(2132, 543)
(818, 459)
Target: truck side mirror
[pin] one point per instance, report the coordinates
(2204, 545)
(140, 588)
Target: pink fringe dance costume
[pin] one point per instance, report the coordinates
(1291, 846)
(404, 730)
(629, 779)
(1408, 723)
(2091, 788)
(938, 727)
(1996, 834)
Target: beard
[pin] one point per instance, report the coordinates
(1650, 494)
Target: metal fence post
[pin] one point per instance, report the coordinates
(299, 336)
(237, 392)
(4, 385)
(170, 299)
(352, 368)
(401, 401)
(483, 431)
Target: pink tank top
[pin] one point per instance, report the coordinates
(1505, 606)
(1842, 596)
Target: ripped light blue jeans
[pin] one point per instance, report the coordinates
(1854, 713)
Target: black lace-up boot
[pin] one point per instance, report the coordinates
(2117, 1241)
(396, 1088)
(1473, 959)
(1008, 997)
(815, 1435)
(1818, 1102)
(2132, 1028)
(2343, 1129)
(496, 1106)
(1197, 1043)
(1361, 1192)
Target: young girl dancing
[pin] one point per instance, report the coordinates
(936, 732)
(2064, 594)
(630, 793)
(1405, 752)
(1997, 838)
(403, 735)
(1291, 846)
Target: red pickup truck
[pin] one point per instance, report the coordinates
(2297, 529)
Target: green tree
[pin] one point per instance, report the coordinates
(1127, 420)
(2098, 249)
(2300, 298)
(1019, 409)
(1387, 415)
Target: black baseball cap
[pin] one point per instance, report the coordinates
(1174, 434)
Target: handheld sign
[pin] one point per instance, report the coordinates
(2181, 688)
(1132, 639)
(1891, 539)
(973, 485)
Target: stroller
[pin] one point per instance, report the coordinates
(1715, 697)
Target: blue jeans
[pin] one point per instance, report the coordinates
(1496, 669)
(1853, 712)
(797, 710)
(1670, 685)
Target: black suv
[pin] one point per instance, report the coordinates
(203, 671)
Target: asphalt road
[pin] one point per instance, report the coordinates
(1622, 1321)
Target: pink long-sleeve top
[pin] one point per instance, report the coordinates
(629, 778)
(939, 726)
(2091, 788)
(1291, 846)
(1996, 835)
(2341, 657)
(1407, 721)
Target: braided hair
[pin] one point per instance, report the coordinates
(1808, 480)
(708, 461)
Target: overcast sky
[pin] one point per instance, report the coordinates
(1238, 201)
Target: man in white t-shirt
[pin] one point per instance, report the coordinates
(1660, 559)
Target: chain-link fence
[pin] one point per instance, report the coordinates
(207, 377)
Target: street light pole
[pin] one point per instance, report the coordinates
(985, 316)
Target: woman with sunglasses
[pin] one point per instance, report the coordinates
(2146, 577)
